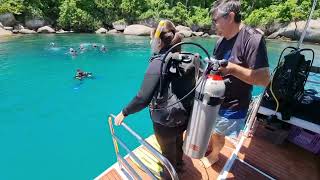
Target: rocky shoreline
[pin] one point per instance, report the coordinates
(134, 29)
(290, 31)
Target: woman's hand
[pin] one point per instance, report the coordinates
(119, 118)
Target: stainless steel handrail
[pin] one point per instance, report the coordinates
(150, 148)
(129, 168)
(307, 24)
(135, 157)
(251, 119)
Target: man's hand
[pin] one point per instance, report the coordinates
(258, 77)
(119, 119)
(226, 70)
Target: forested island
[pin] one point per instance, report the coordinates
(270, 16)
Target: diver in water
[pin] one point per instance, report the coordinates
(80, 75)
(103, 49)
(72, 52)
(82, 48)
(52, 44)
(94, 45)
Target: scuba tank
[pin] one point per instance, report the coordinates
(209, 96)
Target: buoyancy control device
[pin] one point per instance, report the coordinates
(287, 85)
(169, 107)
(209, 95)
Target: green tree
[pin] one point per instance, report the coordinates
(132, 9)
(107, 10)
(11, 6)
(84, 15)
(250, 5)
(154, 9)
(72, 17)
(177, 14)
(199, 16)
(283, 12)
(43, 9)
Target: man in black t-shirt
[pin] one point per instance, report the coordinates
(246, 52)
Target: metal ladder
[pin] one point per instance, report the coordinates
(123, 163)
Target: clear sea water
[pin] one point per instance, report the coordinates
(54, 127)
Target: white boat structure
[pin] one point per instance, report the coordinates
(253, 156)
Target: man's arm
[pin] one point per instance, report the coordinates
(256, 57)
(260, 77)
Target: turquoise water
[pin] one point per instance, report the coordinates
(53, 127)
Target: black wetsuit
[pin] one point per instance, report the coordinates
(147, 90)
(168, 123)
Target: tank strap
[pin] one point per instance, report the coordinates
(213, 101)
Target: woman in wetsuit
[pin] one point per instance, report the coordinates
(168, 124)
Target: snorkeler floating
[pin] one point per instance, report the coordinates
(80, 75)
(103, 48)
(83, 48)
(72, 52)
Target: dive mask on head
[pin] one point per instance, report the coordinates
(155, 42)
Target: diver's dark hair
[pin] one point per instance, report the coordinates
(169, 37)
(227, 6)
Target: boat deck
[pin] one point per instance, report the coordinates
(285, 161)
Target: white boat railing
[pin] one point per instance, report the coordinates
(249, 129)
(125, 165)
